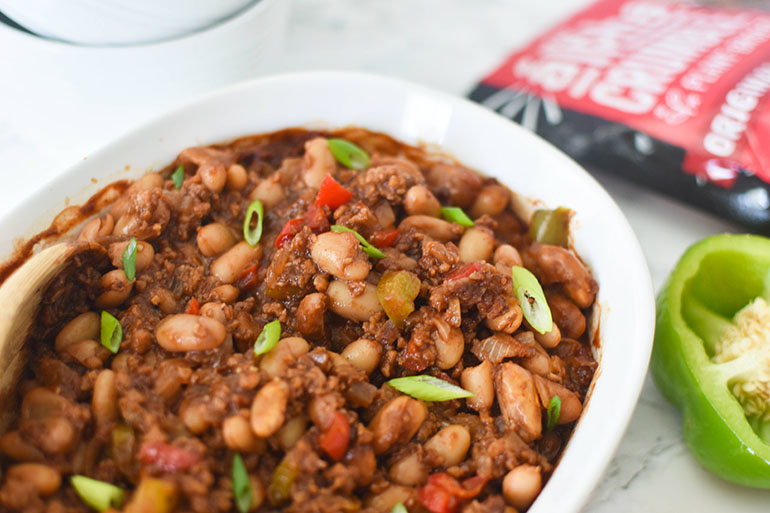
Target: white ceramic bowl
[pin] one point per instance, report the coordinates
(474, 135)
(118, 22)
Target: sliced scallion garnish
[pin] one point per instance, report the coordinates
(368, 248)
(399, 508)
(428, 388)
(533, 304)
(241, 485)
(554, 410)
(178, 177)
(252, 235)
(129, 259)
(348, 154)
(268, 338)
(97, 494)
(456, 215)
(111, 332)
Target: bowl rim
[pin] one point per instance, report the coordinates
(639, 285)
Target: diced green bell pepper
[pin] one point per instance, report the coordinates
(714, 280)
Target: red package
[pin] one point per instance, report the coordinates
(672, 95)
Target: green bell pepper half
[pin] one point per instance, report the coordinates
(713, 280)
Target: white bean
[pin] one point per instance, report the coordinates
(238, 435)
(187, 332)
(475, 245)
(237, 178)
(396, 422)
(419, 200)
(449, 342)
(215, 311)
(521, 485)
(518, 400)
(104, 400)
(269, 191)
(214, 239)
(478, 380)
(442, 231)
(291, 431)
(286, 351)
(116, 289)
(268, 410)
(363, 354)
(451, 444)
(358, 308)
(231, 264)
(509, 321)
(44, 478)
(505, 257)
(317, 162)
(86, 326)
(213, 176)
(340, 254)
(409, 470)
(145, 254)
(225, 293)
(491, 200)
(97, 227)
(89, 353)
(549, 339)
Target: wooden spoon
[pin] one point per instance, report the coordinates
(20, 297)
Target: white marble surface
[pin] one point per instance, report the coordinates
(447, 44)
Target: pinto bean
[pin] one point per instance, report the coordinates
(214, 239)
(268, 410)
(115, 289)
(231, 264)
(238, 435)
(145, 254)
(85, 326)
(358, 308)
(237, 177)
(283, 354)
(449, 343)
(569, 318)
(419, 200)
(97, 227)
(186, 332)
(310, 315)
(396, 422)
(363, 354)
(104, 399)
(559, 265)
(459, 185)
(476, 245)
(521, 485)
(478, 380)
(442, 231)
(341, 255)
(317, 162)
(450, 444)
(409, 470)
(518, 400)
(269, 191)
(44, 478)
(491, 200)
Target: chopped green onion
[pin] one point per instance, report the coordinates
(268, 338)
(428, 388)
(368, 248)
(456, 215)
(97, 494)
(252, 236)
(129, 259)
(554, 410)
(399, 508)
(241, 485)
(111, 332)
(348, 154)
(178, 177)
(533, 304)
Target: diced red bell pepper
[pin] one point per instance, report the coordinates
(332, 193)
(167, 457)
(444, 494)
(334, 441)
(384, 239)
(315, 219)
(193, 307)
(290, 229)
(464, 271)
(247, 278)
